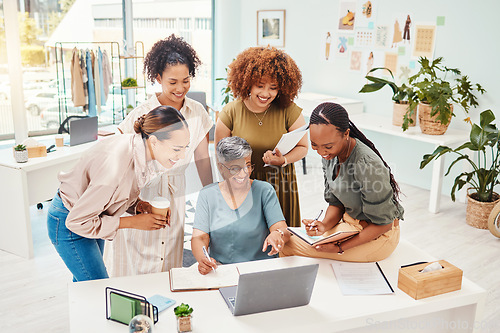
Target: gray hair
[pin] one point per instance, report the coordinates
(232, 148)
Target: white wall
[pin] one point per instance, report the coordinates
(469, 40)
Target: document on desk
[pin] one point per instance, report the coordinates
(361, 278)
(188, 278)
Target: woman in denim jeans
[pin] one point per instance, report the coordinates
(106, 183)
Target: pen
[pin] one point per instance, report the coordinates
(206, 255)
(317, 217)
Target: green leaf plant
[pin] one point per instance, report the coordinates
(183, 310)
(432, 85)
(399, 93)
(484, 139)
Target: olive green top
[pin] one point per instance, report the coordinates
(362, 187)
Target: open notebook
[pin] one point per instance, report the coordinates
(188, 278)
(341, 231)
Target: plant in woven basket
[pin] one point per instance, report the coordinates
(484, 139)
(432, 85)
(399, 93)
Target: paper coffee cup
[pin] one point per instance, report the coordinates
(160, 206)
(59, 140)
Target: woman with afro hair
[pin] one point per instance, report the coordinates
(265, 81)
(172, 63)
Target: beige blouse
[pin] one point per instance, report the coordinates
(104, 184)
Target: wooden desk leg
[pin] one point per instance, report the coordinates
(436, 184)
(15, 224)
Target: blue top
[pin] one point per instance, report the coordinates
(237, 235)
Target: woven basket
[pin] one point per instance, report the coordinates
(428, 124)
(398, 113)
(477, 212)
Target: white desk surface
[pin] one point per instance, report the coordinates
(381, 124)
(328, 310)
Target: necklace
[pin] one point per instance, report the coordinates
(259, 119)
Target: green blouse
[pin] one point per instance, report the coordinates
(362, 187)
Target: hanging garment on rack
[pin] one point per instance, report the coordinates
(101, 78)
(85, 79)
(77, 91)
(97, 83)
(91, 89)
(107, 78)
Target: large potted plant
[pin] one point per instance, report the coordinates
(484, 139)
(433, 89)
(399, 95)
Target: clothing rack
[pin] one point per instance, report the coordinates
(115, 60)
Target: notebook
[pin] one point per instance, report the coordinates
(341, 231)
(82, 130)
(271, 290)
(188, 278)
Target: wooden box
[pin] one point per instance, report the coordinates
(37, 151)
(421, 285)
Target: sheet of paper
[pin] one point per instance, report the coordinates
(361, 278)
(188, 278)
(289, 140)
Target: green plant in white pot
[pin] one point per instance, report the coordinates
(485, 140)
(433, 89)
(20, 153)
(399, 95)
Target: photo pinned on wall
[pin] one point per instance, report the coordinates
(341, 44)
(328, 39)
(397, 33)
(372, 58)
(355, 62)
(347, 15)
(404, 73)
(391, 62)
(381, 39)
(425, 40)
(366, 13)
(271, 28)
(363, 38)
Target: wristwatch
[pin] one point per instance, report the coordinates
(341, 252)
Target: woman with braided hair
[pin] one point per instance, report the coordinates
(359, 188)
(265, 81)
(105, 183)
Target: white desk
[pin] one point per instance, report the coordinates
(328, 311)
(452, 137)
(25, 184)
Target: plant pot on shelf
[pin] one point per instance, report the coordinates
(428, 123)
(398, 113)
(21, 156)
(477, 212)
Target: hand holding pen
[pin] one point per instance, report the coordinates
(314, 227)
(207, 263)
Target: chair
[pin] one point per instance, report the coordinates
(64, 127)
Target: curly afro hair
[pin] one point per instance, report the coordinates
(251, 65)
(168, 52)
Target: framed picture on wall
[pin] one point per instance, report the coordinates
(271, 28)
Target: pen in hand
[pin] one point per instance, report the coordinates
(206, 255)
(316, 219)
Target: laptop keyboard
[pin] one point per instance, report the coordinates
(232, 300)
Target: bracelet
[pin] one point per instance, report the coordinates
(341, 252)
(284, 164)
(281, 232)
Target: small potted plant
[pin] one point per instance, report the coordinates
(129, 83)
(433, 92)
(21, 153)
(183, 314)
(399, 95)
(484, 139)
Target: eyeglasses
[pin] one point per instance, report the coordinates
(235, 169)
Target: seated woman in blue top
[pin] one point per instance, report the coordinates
(239, 218)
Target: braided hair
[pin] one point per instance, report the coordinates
(334, 114)
(160, 122)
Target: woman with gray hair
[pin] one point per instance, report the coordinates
(238, 218)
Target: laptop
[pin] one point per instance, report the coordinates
(271, 290)
(82, 130)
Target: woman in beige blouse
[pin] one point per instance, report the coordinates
(105, 183)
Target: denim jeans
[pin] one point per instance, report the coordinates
(82, 256)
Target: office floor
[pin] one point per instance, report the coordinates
(34, 292)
